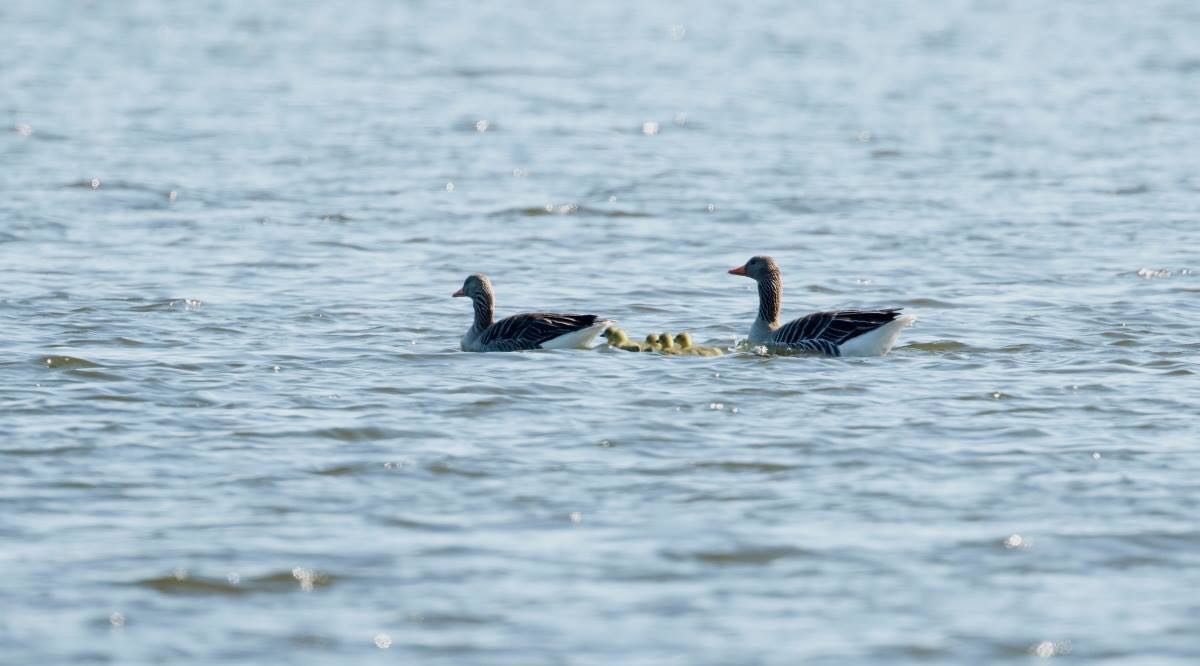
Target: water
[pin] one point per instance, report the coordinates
(236, 427)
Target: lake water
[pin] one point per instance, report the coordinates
(236, 426)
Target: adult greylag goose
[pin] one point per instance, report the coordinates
(531, 330)
(838, 333)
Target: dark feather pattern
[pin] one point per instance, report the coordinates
(529, 330)
(824, 331)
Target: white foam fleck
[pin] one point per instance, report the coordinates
(305, 577)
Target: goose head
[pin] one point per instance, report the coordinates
(476, 284)
(758, 268)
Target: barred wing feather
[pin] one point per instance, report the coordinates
(824, 331)
(531, 329)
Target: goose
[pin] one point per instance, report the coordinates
(530, 330)
(666, 343)
(615, 336)
(619, 339)
(838, 333)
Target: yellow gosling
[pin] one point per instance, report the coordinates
(666, 343)
(615, 336)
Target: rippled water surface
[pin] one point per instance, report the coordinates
(236, 426)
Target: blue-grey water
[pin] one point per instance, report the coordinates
(236, 426)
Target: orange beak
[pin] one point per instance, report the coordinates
(740, 270)
(458, 294)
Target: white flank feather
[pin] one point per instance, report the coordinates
(877, 342)
(577, 339)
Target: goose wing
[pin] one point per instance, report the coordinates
(531, 329)
(824, 331)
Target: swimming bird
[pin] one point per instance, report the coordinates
(530, 330)
(615, 336)
(619, 339)
(658, 342)
(838, 333)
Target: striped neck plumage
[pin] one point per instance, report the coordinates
(484, 304)
(770, 294)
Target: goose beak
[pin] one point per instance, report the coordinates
(740, 270)
(458, 294)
